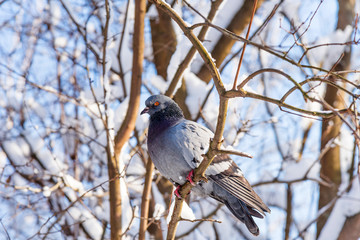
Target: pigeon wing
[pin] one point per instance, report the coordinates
(226, 174)
(191, 140)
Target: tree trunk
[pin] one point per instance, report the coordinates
(351, 228)
(128, 124)
(163, 42)
(330, 162)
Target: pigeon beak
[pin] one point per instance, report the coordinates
(145, 110)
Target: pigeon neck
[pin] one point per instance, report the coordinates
(164, 119)
(157, 127)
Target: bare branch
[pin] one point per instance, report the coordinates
(145, 201)
(199, 223)
(242, 93)
(289, 220)
(190, 55)
(200, 220)
(233, 152)
(244, 47)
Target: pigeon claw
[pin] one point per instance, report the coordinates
(190, 177)
(176, 192)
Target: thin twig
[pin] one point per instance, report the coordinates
(233, 152)
(200, 220)
(273, 70)
(305, 178)
(190, 55)
(5, 230)
(60, 214)
(323, 114)
(145, 201)
(244, 47)
(122, 77)
(257, 32)
(199, 223)
(267, 49)
(289, 197)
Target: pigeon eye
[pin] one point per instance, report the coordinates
(156, 104)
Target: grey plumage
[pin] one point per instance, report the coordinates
(176, 146)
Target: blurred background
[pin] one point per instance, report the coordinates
(73, 159)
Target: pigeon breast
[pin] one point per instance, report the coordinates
(178, 149)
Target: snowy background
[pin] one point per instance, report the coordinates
(53, 163)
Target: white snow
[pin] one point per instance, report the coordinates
(14, 99)
(347, 206)
(74, 184)
(40, 111)
(158, 211)
(60, 42)
(92, 226)
(42, 152)
(291, 7)
(159, 83)
(196, 92)
(46, 191)
(89, 222)
(2, 159)
(183, 47)
(55, 13)
(296, 170)
(326, 57)
(152, 12)
(17, 152)
(346, 143)
(186, 212)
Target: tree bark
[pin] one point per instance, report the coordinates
(155, 228)
(163, 42)
(128, 124)
(145, 201)
(351, 228)
(330, 162)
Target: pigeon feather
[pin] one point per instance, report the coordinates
(176, 146)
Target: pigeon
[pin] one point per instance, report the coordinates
(176, 146)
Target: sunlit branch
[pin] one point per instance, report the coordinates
(190, 55)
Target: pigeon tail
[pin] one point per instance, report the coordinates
(243, 213)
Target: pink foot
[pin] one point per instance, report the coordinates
(190, 177)
(176, 192)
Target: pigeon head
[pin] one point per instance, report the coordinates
(162, 108)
